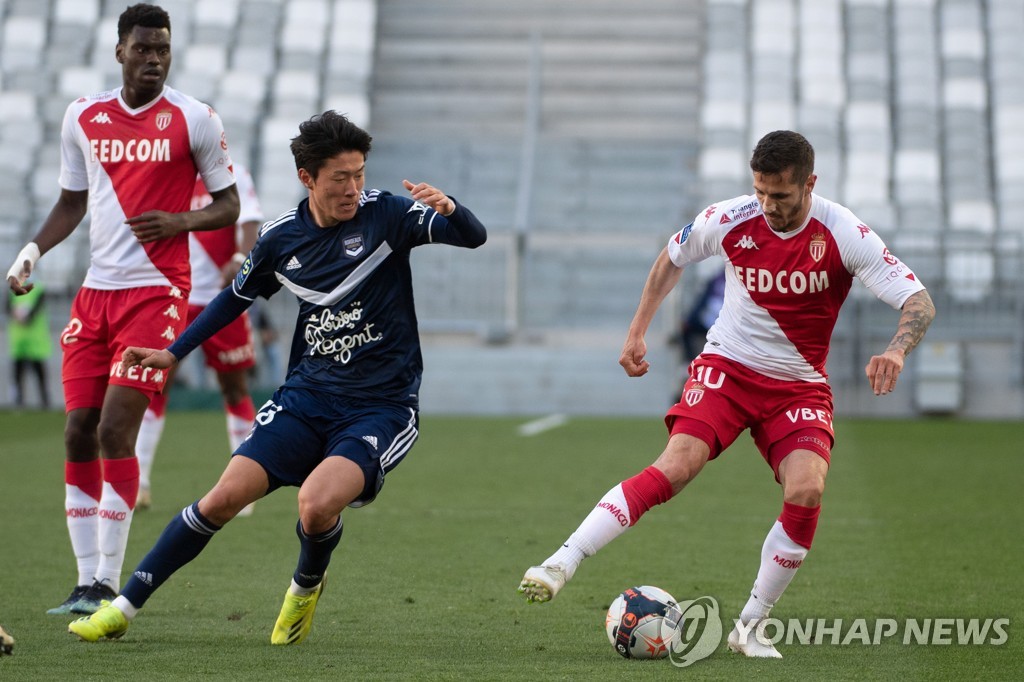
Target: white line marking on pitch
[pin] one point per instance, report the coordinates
(543, 424)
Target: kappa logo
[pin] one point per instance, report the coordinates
(372, 440)
(172, 312)
(293, 264)
(101, 117)
(746, 242)
(168, 334)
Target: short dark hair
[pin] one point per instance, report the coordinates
(324, 136)
(783, 149)
(147, 16)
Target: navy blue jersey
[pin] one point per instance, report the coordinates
(356, 332)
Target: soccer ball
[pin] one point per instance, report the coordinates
(643, 622)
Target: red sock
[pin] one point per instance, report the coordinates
(243, 409)
(643, 491)
(123, 477)
(799, 522)
(86, 476)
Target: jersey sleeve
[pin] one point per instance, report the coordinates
(250, 210)
(210, 150)
(885, 275)
(74, 175)
(419, 224)
(695, 242)
(257, 277)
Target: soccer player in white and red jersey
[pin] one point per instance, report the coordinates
(791, 257)
(129, 157)
(216, 256)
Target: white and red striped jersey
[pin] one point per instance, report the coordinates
(783, 291)
(210, 250)
(136, 160)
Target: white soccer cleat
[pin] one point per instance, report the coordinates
(752, 642)
(542, 583)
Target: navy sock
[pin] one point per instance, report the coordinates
(315, 554)
(181, 542)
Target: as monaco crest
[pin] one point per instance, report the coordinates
(817, 246)
(163, 119)
(693, 394)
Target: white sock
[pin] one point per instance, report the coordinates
(238, 429)
(300, 591)
(780, 559)
(145, 445)
(114, 523)
(82, 513)
(126, 607)
(608, 520)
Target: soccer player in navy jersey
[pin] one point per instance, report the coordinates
(348, 411)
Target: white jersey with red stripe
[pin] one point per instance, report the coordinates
(783, 291)
(210, 250)
(137, 160)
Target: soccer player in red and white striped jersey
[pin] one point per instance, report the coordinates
(791, 257)
(129, 157)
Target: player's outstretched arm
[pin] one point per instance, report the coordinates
(147, 357)
(431, 196)
(884, 370)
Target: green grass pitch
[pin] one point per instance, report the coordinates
(921, 519)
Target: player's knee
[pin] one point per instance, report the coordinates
(805, 491)
(682, 460)
(80, 438)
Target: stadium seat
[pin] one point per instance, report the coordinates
(21, 47)
(80, 13)
(295, 93)
(970, 274)
(355, 106)
(209, 58)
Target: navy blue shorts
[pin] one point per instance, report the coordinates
(298, 428)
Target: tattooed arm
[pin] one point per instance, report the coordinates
(883, 370)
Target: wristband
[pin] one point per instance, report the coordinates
(31, 254)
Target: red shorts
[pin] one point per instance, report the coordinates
(721, 398)
(103, 323)
(231, 348)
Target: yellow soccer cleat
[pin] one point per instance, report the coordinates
(296, 617)
(107, 622)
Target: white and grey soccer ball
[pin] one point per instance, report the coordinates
(643, 622)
